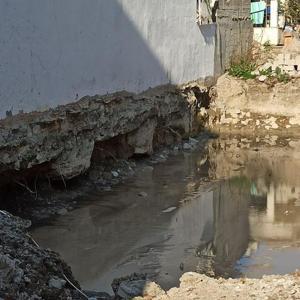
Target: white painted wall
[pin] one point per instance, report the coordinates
(55, 51)
(274, 13)
(267, 34)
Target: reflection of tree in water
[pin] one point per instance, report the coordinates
(226, 239)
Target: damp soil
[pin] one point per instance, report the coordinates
(230, 209)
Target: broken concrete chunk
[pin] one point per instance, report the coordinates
(186, 146)
(63, 140)
(142, 139)
(170, 209)
(115, 173)
(143, 194)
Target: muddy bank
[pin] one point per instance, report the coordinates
(43, 199)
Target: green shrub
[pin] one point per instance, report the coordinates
(281, 76)
(245, 70)
(242, 69)
(267, 46)
(267, 72)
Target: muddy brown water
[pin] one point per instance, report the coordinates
(232, 209)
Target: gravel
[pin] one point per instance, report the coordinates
(28, 271)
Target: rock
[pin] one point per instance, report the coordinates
(135, 277)
(129, 289)
(152, 290)
(62, 211)
(187, 146)
(170, 209)
(262, 78)
(142, 139)
(143, 194)
(93, 295)
(203, 112)
(193, 141)
(115, 173)
(9, 270)
(27, 271)
(56, 283)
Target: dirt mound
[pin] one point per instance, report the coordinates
(201, 287)
(27, 271)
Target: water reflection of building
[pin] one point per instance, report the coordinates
(211, 231)
(280, 219)
(230, 234)
(273, 173)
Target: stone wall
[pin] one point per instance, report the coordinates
(235, 32)
(254, 107)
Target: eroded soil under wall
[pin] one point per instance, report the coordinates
(62, 141)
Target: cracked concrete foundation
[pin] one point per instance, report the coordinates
(63, 140)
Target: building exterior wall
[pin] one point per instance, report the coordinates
(267, 35)
(55, 51)
(235, 32)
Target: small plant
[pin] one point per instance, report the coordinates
(292, 10)
(267, 46)
(242, 69)
(267, 72)
(281, 76)
(277, 74)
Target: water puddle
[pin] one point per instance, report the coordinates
(230, 210)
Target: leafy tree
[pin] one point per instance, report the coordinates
(293, 10)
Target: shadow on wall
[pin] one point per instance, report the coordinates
(51, 50)
(54, 52)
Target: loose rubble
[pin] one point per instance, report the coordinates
(27, 271)
(200, 287)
